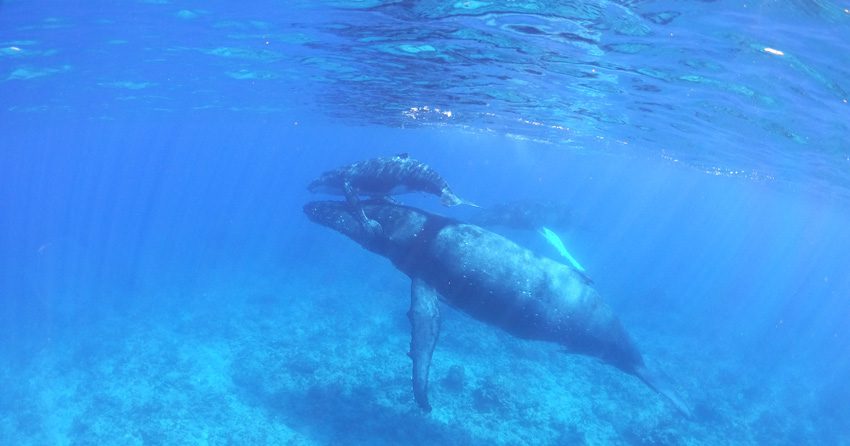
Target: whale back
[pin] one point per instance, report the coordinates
(383, 176)
(497, 281)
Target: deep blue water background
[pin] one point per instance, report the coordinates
(160, 285)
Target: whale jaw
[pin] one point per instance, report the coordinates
(335, 215)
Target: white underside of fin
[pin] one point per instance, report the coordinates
(556, 242)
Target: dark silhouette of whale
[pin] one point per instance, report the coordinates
(491, 279)
(382, 177)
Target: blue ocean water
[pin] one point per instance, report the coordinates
(160, 284)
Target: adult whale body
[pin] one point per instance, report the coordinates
(493, 280)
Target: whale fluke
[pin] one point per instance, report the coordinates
(448, 198)
(663, 388)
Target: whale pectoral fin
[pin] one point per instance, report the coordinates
(351, 196)
(424, 318)
(371, 226)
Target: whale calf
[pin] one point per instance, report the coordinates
(382, 177)
(491, 279)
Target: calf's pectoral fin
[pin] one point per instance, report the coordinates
(424, 318)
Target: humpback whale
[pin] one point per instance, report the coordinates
(380, 178)
(491, 279)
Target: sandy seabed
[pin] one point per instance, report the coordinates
(319, 358)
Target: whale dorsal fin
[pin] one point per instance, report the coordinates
(424, 318)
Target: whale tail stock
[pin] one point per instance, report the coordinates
(662, 387)
(448, 198)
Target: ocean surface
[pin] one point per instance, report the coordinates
(161, 285)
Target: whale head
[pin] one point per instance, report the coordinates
(337, 216)
(402, 227)
(404, 231)
(327, 183)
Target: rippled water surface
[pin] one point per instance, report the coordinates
(689, 81)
